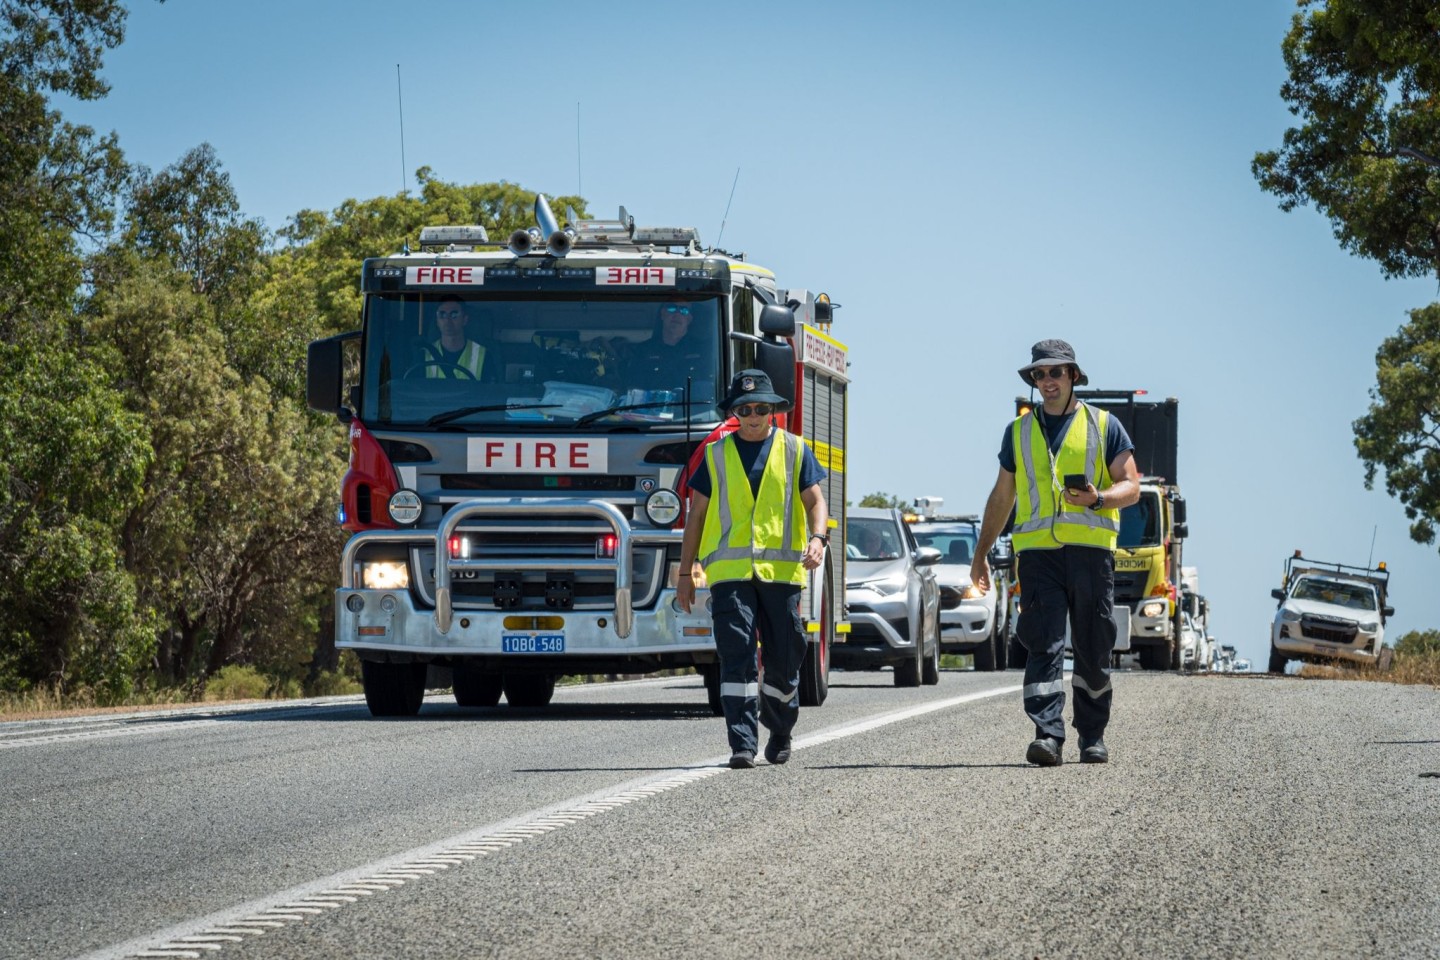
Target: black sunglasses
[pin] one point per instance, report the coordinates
(1054, 373)
(755, 410)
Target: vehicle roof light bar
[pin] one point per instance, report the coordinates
(453, 237)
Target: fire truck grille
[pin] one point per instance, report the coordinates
(535, 481)
(1328, 629)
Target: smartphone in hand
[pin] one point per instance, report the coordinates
(1076, 482)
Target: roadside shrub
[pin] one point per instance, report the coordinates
(235, 682)
(335, 684)
(1418, 642)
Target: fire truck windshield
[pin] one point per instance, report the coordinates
(1140, 522)
(465, 361)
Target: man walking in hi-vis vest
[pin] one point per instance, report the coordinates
(1067, 469)
(757, 522)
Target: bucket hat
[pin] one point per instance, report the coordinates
(752, 386)
(1052, 353)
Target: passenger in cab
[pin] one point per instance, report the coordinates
(455, 355)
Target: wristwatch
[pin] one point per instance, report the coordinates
(1099, 501)
(822, 537)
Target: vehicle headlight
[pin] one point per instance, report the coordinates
(1292, 616)
(1155, 608)
(887, 586)
(405, 507)
(971, 592)
(662, 507)
(385, 575)
(1370, 626)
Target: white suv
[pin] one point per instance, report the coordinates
(1328, 616)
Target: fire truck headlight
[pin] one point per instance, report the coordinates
(385, 575)
(1154, 608)
(405, 507)
(663, 508)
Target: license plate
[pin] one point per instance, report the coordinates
(532, 643)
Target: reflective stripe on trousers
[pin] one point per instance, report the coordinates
(743, 611)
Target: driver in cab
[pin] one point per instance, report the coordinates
(454, 355)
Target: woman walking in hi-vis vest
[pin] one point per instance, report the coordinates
(756, 523)
(1067, 469)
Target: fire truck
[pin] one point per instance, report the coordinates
(523, 418)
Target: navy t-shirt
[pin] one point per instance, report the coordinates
(753, 454)
(1117, 441)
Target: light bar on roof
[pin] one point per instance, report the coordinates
(667, 236)
(443, 236)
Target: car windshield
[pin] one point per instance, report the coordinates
(1353, 595)
(1140, 522)
(955, 541)
(473, 362)
(871, 538)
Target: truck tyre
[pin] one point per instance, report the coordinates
(393, 689)
(476, 687)
(815, 671)
(1175, 636)
(1278, 660)
(529, 689)
(930, 669)
(1154, 657)
(985, 653)
(711, 674)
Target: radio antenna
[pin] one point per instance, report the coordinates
(579, 179)
(1370, 561)
(727, 207)
(400, 94)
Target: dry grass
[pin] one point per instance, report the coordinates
(47, 703)
(1415, 668)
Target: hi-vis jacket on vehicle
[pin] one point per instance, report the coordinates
(521, 526)
(1043, 520)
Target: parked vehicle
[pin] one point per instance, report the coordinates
(891, 598)
(971, 620)
(1329, 611)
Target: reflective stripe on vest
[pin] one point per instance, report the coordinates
(746, 536)
(1038, 523)
(472, 358)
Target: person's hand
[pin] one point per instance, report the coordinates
(814, 553)
(1081, 498)
(685, 591)
(980, 572)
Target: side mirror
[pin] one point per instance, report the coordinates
(777, 321)
(1000, 560)
(1387, 611)
(1278, 594)
(1182, 530)
(927, 556)
(1178, 508)
(777, 359)
(324, 373)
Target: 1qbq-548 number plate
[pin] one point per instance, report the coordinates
(532, 643)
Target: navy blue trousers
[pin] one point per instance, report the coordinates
(744, 610)
(1077, 583)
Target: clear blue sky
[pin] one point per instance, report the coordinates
(965, 178)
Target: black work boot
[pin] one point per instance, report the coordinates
(777, 749)
(1044, 751)
(742, 760)
(1092, 750)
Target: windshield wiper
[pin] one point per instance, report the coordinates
(597, 414)
(449, 415)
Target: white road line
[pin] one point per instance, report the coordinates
(280, 909)
(126, 731)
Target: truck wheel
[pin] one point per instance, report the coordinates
(1278, 660)
(711, 673)
(985, 653)
(475, 687)
(930, 669)
(529, 689)
(815, 671)
(1175, 655)
(393, 689)
(1154, 657)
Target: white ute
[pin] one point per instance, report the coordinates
(1329, 611)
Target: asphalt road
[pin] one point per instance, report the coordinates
(1240, 816)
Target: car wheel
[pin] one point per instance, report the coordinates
(985, 653)
(1278, 660)
(930, 670)
(907, 671)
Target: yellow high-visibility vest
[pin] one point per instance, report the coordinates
(1043, 520)
(472, 358)
(748, 536)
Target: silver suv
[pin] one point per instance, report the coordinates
(971, 620)
(892, 599)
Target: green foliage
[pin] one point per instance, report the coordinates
(1364, 79)
(1401, 432)
(333, 684)
(1419, 643)
(236, 682)
(882, 500)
